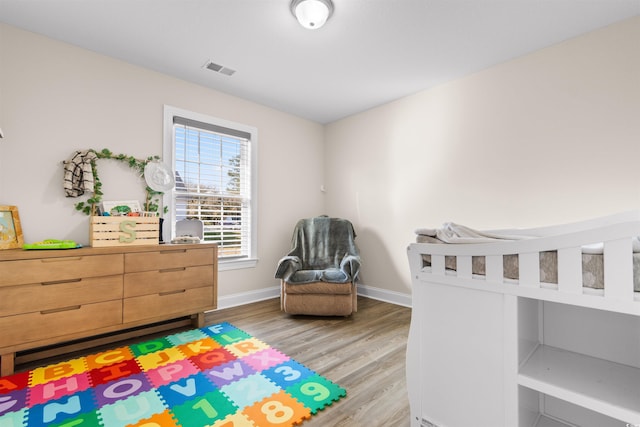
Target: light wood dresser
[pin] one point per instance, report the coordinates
(55, 301)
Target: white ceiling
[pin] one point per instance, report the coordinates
(369, 53)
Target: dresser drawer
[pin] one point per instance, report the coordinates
(166, 280)
(173, 303)
(47, 324)
(165, 259)
(38, 297)
(47, 270)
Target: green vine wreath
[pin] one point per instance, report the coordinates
(152, 200)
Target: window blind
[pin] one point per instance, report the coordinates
(213, 183)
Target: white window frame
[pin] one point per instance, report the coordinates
(169, 149)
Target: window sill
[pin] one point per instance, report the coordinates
(236, 264)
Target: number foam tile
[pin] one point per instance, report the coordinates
(277, 410)
(288, 373)
(316, 392)
(204, 410)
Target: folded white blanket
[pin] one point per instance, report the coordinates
(456, 233)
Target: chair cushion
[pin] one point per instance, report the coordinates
(318, 288)
(334, 275)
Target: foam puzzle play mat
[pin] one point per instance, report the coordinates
(218, 376)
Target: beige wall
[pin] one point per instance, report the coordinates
(547, 138)
(550, 137)
(56, 98)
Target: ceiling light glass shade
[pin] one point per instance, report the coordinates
(312, 14)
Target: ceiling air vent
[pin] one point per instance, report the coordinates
(219, 68)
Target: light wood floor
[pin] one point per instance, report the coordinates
(363, 353)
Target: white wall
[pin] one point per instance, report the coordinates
(547, 138)
(56, 98)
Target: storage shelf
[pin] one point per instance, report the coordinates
(606, 387)
(548, 422)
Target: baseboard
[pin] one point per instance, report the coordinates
(243, 298)
(385, 295)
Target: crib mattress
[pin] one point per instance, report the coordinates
(592, 266)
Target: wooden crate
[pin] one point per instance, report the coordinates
(123, 231)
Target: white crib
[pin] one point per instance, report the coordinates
(487, 351)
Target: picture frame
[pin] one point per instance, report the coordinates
(134, 205)
(10, 228)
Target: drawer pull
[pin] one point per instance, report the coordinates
(76, 258)
(58, 310)
(175, 251)
(58, 282)
(169, 270)
(180, 291)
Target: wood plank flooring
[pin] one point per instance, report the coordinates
(364, 353)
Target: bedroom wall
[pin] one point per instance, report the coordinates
(57, 98)
(547, 138)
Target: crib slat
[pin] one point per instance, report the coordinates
(570, 270)
(529, 269)
(494, 268)
(618, 270)
(437, 264)
(463, 265)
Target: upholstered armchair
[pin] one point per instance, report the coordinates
(318, 276)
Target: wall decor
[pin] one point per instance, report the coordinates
(10, 228)
(152, 200)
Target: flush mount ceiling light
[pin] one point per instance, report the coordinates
(312, 14)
